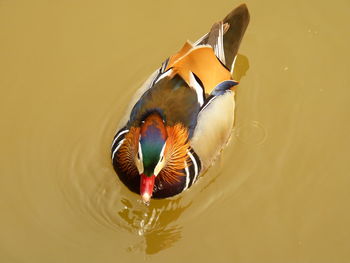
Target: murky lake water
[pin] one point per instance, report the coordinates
(279, 193)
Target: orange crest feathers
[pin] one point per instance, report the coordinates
(175, 153)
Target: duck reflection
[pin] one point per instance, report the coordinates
(155, 224)
(241, 67)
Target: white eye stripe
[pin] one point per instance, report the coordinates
(140, 152)
(138, 160)
(160, 165)
(162, 151)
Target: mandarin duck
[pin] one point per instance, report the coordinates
(182, 116)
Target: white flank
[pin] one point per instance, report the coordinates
(214, 126)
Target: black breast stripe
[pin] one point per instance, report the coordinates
(117, 141)
(195, 166)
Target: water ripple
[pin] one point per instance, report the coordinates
(91, 187)
(251, 133)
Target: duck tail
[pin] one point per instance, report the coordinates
(225, 36)
(237, 22)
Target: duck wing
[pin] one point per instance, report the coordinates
(216, 118)
(172, 98)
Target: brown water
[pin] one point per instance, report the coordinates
(279, 193)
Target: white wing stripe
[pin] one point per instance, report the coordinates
(200, 40)
(163, 75)
(198, 88)
(233, 64)
(164, 65)
(220, 44)
(155, 78)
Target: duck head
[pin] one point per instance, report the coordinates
(150, 157)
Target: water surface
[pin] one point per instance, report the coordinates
(280, 191)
